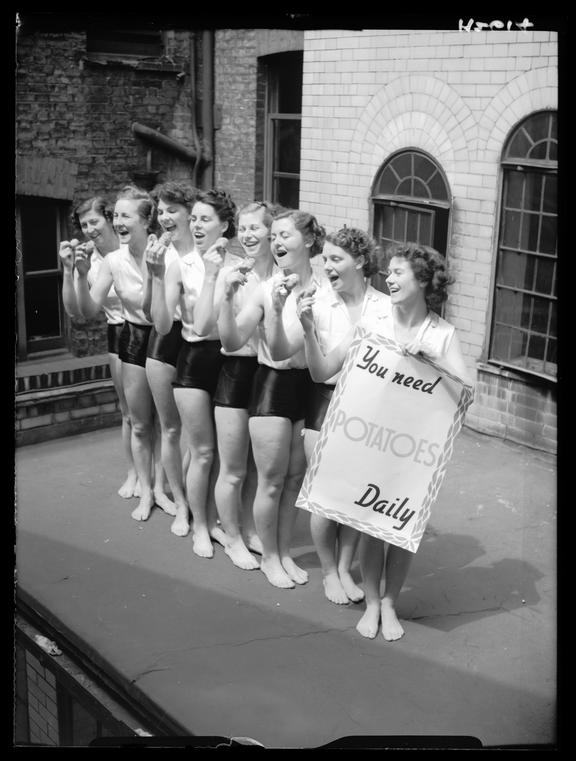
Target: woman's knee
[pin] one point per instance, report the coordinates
(233, 479)
(202, 454)
(141, 429)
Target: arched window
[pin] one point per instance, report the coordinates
(523, 331)
(411, 202)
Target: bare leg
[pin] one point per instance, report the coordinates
(324, 533)
(398, 562)
(160, 376)
(372, 562)
(288, 512)
(251, 538)
(347, 541)
(127, 490)
(141, 407)
(233, 441)
(271, 438)
(195, 408)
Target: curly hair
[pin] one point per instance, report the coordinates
(101, 205)
(175, 191)
(223, 205)
(306, 224)
(429, 267)
(356, 243)
(146, 205)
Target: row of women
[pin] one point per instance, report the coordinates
(215, 355)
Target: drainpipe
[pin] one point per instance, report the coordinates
(193, 96)
(208, 107)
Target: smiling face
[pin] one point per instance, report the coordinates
(174, 218)
(130, 226)
(288, 244)
(98, 229)
(342, 269)
(205, 226)
(405, 289)
(253, 234)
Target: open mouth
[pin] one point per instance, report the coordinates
(280, 254)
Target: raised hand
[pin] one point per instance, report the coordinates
(155, 254)
(82, 256)
(66, 254)
(417, 346)
(214, 257)
(234, 279)
(304, 303)
(281, 287)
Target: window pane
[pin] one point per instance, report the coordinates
(513, 270)
(437, 188)
(511, 232)
(425, 230)
(287, 146)
(388, 181)
(550, 193)
(545, 276)
(553, 150)
(286, 192)
(419, 189)
(540, 316)
(551, 352)
(533, 191)
(536, 347)
(39, 234)
(42, 306)
(519, 145)
(403, 164)
(84, 727)
(529, 235)
(288, 72)
(513, 190)
(412, 227)
(400, 225)
(538, 126)
(553, 322)
(423, 167)
(508, 307)
(548, 234)
(539, 151)
(405, 188)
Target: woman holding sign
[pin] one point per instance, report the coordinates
(417, 282)
(349, 260)
(280, 390)
(199, 359)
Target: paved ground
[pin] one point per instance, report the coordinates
(223, 652)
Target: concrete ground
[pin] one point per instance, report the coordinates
(222, 652)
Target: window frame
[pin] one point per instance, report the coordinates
(539, 166)
(28, 348)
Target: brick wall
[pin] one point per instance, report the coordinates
(42, 703)
(455, 95)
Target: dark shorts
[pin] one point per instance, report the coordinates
(235, 382)
(133, 343)
(198, 365)
(280, 393)
(165, 348)
(318, 401)
(113, 336)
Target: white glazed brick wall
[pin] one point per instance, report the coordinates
(455, 95)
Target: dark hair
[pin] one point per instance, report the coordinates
(308, 225)
(102, 205)
(175, 191)
(223, 205)
(429, 267)
(146, 205)
(356, 243)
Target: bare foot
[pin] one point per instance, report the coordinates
(334, 590)
(297, 574)
(353, 591)
(391, 627)
(239, 555)
(137, 490)
(253, 543)
(127, 490)
(142, 512)
(219, 535)
(201, 543)
(275, 574)
(368, 624)
(181, 523)
(164, 502)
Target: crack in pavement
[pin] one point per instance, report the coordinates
(461, 613)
